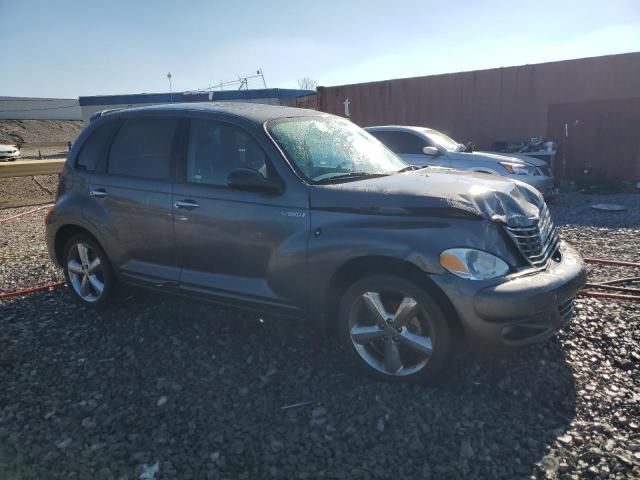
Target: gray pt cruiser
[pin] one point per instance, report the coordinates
(307, 215)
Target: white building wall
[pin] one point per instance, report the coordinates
(88, 110)
(29, 108)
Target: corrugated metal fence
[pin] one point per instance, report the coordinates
(515, 103)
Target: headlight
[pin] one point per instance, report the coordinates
(519, 169)
(473, 264)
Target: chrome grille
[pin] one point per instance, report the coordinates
(544, 171)
(539, 242)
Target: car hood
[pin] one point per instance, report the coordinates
(499, 157)
(434, 192)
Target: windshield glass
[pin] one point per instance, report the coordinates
(323, 148)
(443, 140)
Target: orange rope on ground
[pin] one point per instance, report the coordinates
(12, 217)
(27, 291)
(601, 261)
(612, 296)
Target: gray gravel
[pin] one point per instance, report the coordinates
(24, 260)
(199, 390)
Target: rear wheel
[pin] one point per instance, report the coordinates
(394, 329)
(88, 271)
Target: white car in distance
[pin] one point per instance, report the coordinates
(9, 153)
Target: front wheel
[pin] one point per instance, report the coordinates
(394, 329)
(88, 271)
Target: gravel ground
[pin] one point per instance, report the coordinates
(200, 390)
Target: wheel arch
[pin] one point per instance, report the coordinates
(360, 267)
(64, 233)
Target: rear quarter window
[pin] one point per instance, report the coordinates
(95, 148)
(142, 148)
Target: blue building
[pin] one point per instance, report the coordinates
(271, 96)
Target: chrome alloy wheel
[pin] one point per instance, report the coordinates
(391, 333)
(85, 272)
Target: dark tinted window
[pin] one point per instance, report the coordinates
(95, 147)
(142, 148)
(401, 142)
(216, 148)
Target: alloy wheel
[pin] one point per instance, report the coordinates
(390, 331)
(85, 272)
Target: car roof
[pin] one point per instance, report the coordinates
(399, 128)
(255, 112)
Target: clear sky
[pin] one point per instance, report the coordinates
(63, 48)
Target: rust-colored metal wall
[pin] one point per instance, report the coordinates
(484, 106)
(600, 137)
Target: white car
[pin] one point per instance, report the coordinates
(9, 153)
(424, 146)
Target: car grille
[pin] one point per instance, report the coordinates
(544, 171)
(538, 243)
(565, 309)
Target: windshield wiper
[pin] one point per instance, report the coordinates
(411, 167)
(343, 176)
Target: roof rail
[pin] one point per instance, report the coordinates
(102, 113)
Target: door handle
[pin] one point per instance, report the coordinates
(99, 193)
(186, 204)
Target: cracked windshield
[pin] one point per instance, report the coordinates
(326, 149)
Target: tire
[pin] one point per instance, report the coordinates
(89, 274)
(394, 330)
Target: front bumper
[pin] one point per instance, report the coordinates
(545, 185)
(523, 309)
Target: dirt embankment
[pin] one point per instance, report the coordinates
(19, 191)
(39, 131)
(22, 191)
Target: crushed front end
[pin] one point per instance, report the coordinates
(530, 303)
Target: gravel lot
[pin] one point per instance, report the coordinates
(200, 390)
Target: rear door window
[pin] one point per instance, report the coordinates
(95, 148)
(401, 142)
(142, 148)
(217, 148)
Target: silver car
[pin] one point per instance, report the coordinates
(424, 146)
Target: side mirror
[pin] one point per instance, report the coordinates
(431, 151)
(253, 181)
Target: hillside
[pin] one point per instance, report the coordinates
(39, 131)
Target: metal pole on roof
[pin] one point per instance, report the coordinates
(170, 92)
(262, 76)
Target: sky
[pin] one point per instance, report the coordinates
(74, 48)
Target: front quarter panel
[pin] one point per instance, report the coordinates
(339, 237)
